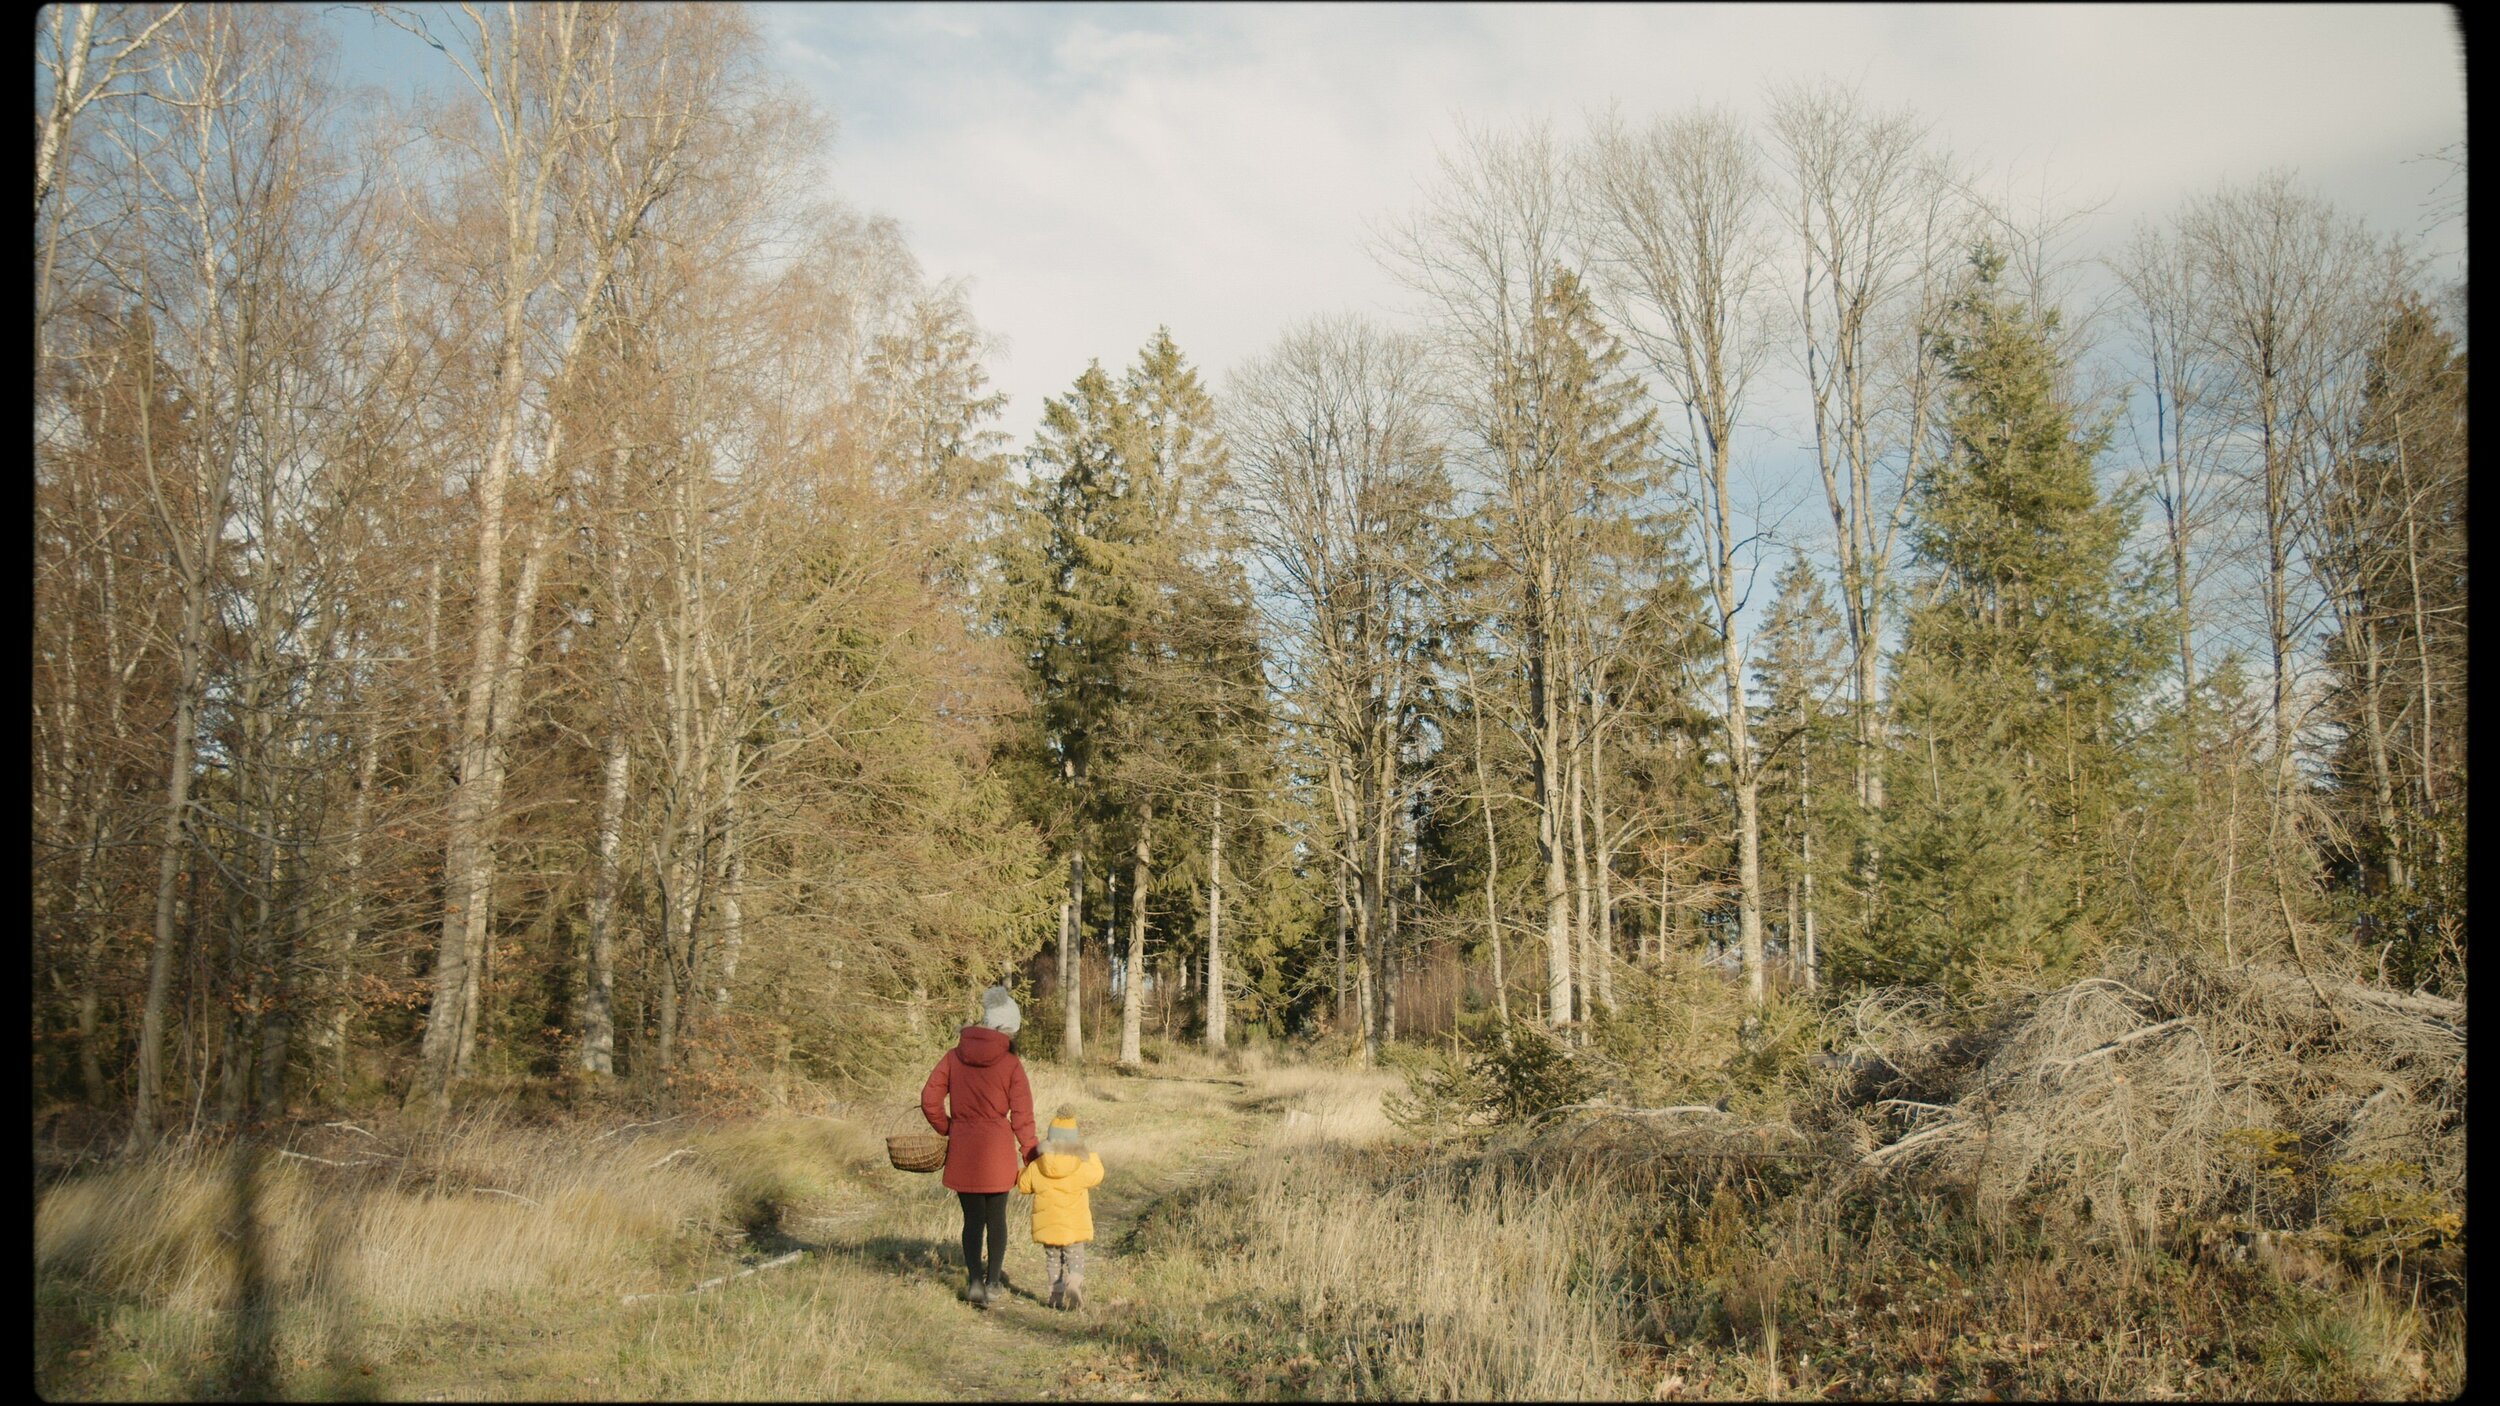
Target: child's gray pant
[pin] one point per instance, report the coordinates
(1065, 1266)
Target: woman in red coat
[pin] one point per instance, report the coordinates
(979, 1101)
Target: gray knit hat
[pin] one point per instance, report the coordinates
(1063, 1129)
(998, 1011)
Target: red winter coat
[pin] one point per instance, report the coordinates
(977, 1098)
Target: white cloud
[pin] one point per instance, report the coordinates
(1097, 171)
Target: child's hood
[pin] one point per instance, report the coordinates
(1062, 1159)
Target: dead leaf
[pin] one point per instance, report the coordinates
(1669, 1386)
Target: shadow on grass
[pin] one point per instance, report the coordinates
(245, 1364)
(924, 1261)
(1097, 1332)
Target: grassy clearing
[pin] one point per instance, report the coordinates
(1266, 1232)
(485, 1259)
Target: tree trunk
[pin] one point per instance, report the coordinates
(733, 878)
(1741, 773)
(1492, 860)
(467, 857)
(1389, 975)
(1072, 963)
(2421, 630)
(1341, 927)
(1546, 756)
(1584, 994)
(196, 565)
(352, 932)
(1366, 964)
(1805, 855)
(599, 982)
(1605, 862)
(1132, 996)
(1215, 929)
(2382, 775)
(598, 1012)
(503, 697)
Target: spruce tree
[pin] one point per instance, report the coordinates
(2018, 677)
(1801, 678)
(1071, 596)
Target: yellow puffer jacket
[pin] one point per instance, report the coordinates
(1062, 1213)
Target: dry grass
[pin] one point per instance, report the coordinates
(248, 1268)
(1326, 1106)
(2136, 1096)
(1306, 1269)
(1264, 1232)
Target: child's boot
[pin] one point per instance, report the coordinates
(975, 1292)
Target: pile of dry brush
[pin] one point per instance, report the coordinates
(2155, 1089)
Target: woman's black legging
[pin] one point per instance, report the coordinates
(985, 1210)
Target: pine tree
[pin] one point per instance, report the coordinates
(928, 401)
(1575, 449)
(1801, 677)
(1070, 597)
(2391, 547)
(2018, 677)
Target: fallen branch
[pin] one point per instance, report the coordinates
(2111, 981)
(1885, 1153)
(1634, 1112)
(680, 1152)
(2062, 1065)
(350, 1127)
(603, 1137)
(490, 1191)
(308, 1157)
(789, 1258)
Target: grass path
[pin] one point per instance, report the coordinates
(1156, 1135)
(887, 1248)
(870, 1311)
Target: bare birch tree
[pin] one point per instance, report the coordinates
(1340, 469)
(1678, 219)
(1485, 250)
(1879, 229)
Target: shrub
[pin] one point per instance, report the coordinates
(1507, 1074)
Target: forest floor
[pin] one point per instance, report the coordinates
(1262, 1233)
(871, 1309)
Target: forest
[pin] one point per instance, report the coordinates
(532, 611)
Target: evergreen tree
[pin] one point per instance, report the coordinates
(2391, 544)
(2018, 676)
(1574, 451)
(928, 403)
(1071, 595)
(1801, 677)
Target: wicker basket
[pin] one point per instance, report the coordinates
(916, 1152)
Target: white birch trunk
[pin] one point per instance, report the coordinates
(1132, 993)
(1215, 930)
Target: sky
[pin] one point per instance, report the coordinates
(1097, 170)
(1094, 171)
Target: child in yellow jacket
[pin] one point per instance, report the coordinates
(1063, 1218)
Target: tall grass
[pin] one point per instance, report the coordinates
(1265, 1231)
(347, 1255)
(1327, 1260)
